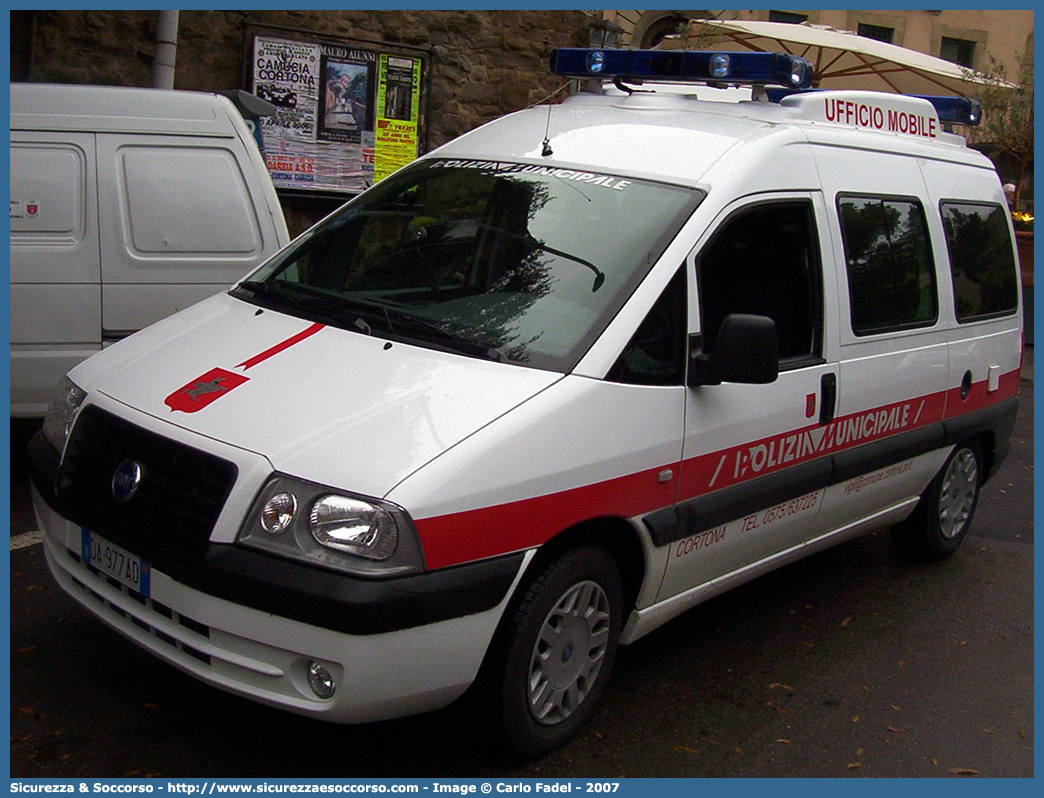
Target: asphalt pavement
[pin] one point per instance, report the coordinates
(851, 663)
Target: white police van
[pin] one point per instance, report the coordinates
(545, 389)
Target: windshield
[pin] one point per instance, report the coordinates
(505, 261)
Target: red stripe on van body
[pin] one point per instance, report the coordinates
(979, 398)
(281, 346)
(488, 531)
(728, 467)
(469, 535)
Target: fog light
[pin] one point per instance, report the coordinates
(320, 680)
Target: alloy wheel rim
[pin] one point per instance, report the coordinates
(958, 493)
(568, 653)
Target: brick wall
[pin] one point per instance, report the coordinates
(484, 63)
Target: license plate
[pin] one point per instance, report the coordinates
(126, 568)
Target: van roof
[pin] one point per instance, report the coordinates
(671, 135)
(42, 106)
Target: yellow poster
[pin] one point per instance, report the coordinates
(398, 111)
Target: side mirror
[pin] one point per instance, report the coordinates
(746, 351)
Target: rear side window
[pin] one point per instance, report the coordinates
(891, 276)
(981, 260)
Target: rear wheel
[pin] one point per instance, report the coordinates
(943, 516)
(557, 651)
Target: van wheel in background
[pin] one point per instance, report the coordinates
(943, 516)
(557, 651)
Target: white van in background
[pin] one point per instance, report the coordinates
(126, 205)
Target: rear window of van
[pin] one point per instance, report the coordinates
(981, 260)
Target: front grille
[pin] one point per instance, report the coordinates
(181, 493)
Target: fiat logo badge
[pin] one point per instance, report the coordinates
(126, 481)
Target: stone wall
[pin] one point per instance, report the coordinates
(483, 63)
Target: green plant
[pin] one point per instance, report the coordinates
(1007, 115)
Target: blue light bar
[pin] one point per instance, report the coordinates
(958, 110)
(954, 110)
(682, 66)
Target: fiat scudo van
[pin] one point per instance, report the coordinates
(546, 388)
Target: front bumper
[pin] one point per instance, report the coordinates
(251, 624)
(265, 656)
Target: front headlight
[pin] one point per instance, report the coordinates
(319, 525)
(61, 413)
(355, 526)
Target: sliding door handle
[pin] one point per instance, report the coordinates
(827, 398)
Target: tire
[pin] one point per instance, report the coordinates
(556, 652)
(941, 519)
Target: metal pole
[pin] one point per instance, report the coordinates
(166, 49)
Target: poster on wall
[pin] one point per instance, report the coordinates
(346, 116)
(398, 101)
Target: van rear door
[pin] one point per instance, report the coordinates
(180, 222)
(55, 261)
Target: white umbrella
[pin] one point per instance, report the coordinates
(843, 60)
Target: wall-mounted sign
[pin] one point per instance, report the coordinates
(347, 116)
(398, 104)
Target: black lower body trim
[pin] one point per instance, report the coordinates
(348, 604)
(881, 454)
(708, 511)
(721, 506)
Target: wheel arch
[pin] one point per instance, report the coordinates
(990, 429)
(617, 536)
(986, 441)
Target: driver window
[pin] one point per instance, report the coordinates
(764, 261)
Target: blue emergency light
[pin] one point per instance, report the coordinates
(953, 110)
(958, 110)
(682, 66)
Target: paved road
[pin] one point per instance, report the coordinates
(852, 663)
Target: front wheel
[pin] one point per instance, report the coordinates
(557, 651)
(941, 519)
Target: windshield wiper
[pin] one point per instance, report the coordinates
(359, 314)
(599, 274)
(428, 330)
(532, 242)
(257, 287)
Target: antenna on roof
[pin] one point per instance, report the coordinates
(546, 151)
